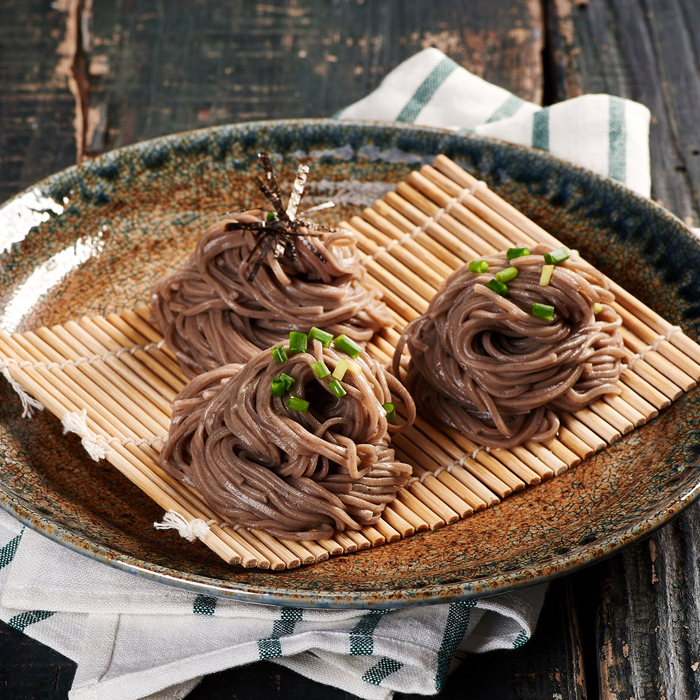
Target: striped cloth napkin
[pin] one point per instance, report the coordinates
(606, 134)
(134, 638)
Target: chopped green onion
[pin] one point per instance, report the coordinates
(597, 308)
(390, 411)
(320, 369)
(344, 366)
(510, 273)
(323, 336)
(297, 404)
(498, 287)
(543, 311)
(556, 256)
(546, 276)
(280, 354)
(297, 342)
(513, 253)
(478, 266)
(289, 382)
(342, 342)
(279, 387)
(271, 216)
(336, 388)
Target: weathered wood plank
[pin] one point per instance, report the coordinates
(37, 108)
(30, 670)
(159, 67)
(648, 622)
(646, 50)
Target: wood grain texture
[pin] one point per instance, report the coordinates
(37, 108)
(646, 50)
(159, 67)
(30, 670)
(648, 621)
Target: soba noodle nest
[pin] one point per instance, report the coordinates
(210, 314)
(262, 465)
(484, 365)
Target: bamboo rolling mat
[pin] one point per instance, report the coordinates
(112, 381)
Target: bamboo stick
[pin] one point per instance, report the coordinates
(387, 531)
(420, 243)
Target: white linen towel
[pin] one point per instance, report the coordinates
(133, 638)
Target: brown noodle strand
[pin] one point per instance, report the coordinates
(483, 364)
(293, 475)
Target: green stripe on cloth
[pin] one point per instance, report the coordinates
(7, 553)
(361, 642)
(540, 129)
(383, 668)
(507, 109)
(455, 628)
(617, 140)
(520, 639)
(23, 620)
(272, 647)
(204, 605)
(426, 90)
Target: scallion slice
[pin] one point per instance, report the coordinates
(335, 386)
(278, 386)
(289, 382)
(546, 276)
(323, 336)
(320, 369)
(344, 366)
(597, 308)
(297, 342)
(498, 287)
(271, 216)
(513, 253)
(543, 311)
(297, 404)
(557, 256)
(478, 266)
(510, 273)
(280, 354)
(390, 411)
(350, 347)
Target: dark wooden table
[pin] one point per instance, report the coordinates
(78, 78)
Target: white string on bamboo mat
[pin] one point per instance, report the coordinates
(459, 199)
(40, 364)
(653, 347)
(96, 445)
(189, 529)
(29, 403)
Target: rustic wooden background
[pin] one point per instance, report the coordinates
(78, 78)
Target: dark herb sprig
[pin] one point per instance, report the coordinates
(282, 225)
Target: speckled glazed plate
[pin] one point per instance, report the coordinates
(93, 238)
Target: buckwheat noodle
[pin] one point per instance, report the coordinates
(484, 365)
(210, 314)
(294, 475)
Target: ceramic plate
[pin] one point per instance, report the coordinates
(92, 239)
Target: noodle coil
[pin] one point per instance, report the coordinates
(483, 364)
(294, 475)
(211, 313)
